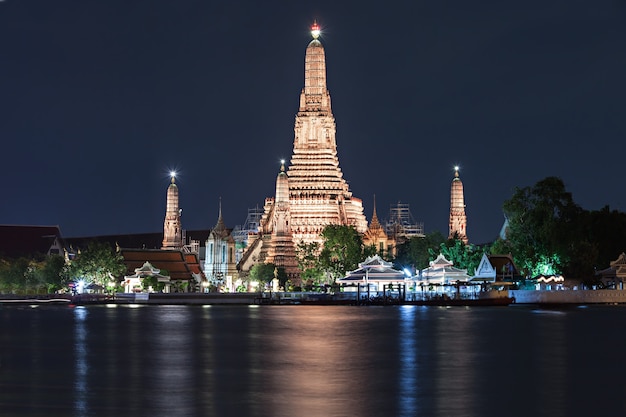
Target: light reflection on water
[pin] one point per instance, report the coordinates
(81, 367)
(409, 369)
(307, 361)
(456, 360)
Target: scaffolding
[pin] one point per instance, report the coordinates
(401, 223)
(241, 232)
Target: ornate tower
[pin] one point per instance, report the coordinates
(312, 194)
(377, 237)
(172, 232)
(279, 248)
(458, 220)
(318, 193)
(219, 262)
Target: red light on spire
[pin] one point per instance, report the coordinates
(315, 30)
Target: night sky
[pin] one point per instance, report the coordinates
(99, 100)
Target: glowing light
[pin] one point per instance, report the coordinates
(456, 168)
(315, 30)
(173, 174)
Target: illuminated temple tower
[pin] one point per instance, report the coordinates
(279, 246)
(172, 232)
(458, 220)
(318, 195)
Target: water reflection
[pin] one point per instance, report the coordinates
(409, 369)
(549, 359)
(326, 367)
(81, 367)
(172, 366)
(455, 361)
(280, 361)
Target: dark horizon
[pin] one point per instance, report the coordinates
(101, 100)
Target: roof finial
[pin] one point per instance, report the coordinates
(173, 175)
(282, 165)
(456, 171)
(315, 30)
(374, 205)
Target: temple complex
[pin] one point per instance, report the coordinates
(312, 193)
(172, 231)
(458, 220)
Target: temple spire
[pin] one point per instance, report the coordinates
(315, 96)
(172, 233)
(220, 227)
(375, 223)
(458, 219)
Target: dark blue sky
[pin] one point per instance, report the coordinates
(100, 99)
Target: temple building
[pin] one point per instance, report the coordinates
(312, 193)
(458, 220)
(172, 231)
(376, 236)
(220, 267)
(279, 248)
(318, 193)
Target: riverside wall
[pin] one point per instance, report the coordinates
(568, 296)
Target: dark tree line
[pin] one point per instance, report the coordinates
(548, 232)
(38, 274)
(97, 264)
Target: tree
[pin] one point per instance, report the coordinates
(19, 276)
(41, 274)
(97, 264)
(263, 273)
(54, 273)
(462, 255)
(417, 251)
(606, 228)
(543, 227)
(152, 281)
(307, 255)
(342, 250)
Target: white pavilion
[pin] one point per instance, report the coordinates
(134, 283)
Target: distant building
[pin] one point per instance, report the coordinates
(615, 275)
(180, 261)
(134, 283)
(505, 267)
(375, 274)
(400, 225)
(442, 272)
(26, 241)
(376, 236)
(458, 220)
(220, 266)
(183, 268)
(172, 230)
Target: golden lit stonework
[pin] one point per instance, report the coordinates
(458, 219)
(172, 232)
(312, 193)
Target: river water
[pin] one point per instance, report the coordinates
(318, 361)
